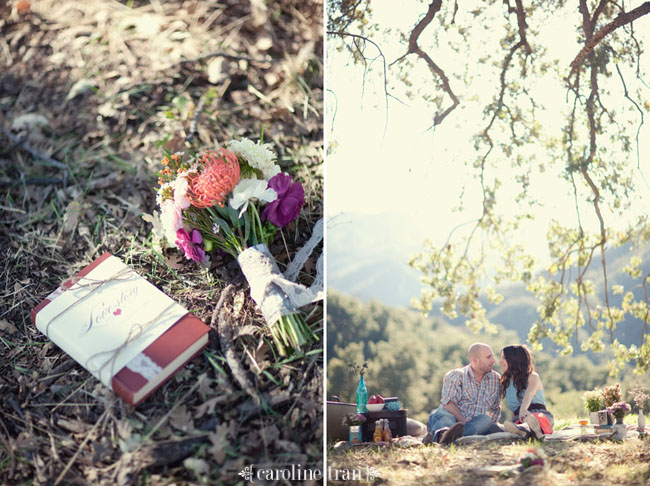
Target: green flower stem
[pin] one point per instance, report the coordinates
(290, 333)
(257, 227)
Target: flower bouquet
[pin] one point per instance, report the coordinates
(350, 419)
(612, 394)
(533, 457)
(235, 200)
(619, 410)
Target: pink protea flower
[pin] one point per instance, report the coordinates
(216, 176)
(285, 208)
(190, 243)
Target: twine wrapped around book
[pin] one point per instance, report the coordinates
(141, 364)
(93, 284)
(274, 293)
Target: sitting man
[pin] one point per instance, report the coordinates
(470, 402)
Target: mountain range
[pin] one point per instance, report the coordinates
(368, 255)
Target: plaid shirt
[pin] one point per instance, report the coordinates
(460, 388)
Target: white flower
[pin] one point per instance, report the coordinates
(159, 195)
(158, 231)
(172, 220)
(257, 155)
(180, 192)
(248, 189)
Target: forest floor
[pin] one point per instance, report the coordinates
(494, 463)
(90, 94)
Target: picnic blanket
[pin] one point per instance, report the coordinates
(566, 434)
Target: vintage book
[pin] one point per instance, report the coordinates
(120, 327)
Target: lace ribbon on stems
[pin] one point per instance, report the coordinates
(275, 294)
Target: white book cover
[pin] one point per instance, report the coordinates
(107, 318)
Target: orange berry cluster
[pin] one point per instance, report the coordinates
(166, 171)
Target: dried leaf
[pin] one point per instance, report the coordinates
(270, 434)
(130, 443)
(248, 330)
(261, 354)
(219, 441)
(174, 261)
(216, 71)
(208, 406)
(71, 217)
(238, 302)
(198, 466)
(124, 428)
(80, 87)
(154, 219)
(5, 325)
(75, 426)
(29, 122)
(205, 389)
(181, 419)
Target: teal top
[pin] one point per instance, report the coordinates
(514, 402)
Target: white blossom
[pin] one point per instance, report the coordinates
(248, 189)
(257, 155)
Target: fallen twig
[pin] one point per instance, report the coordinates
(195, 120)
(223, 326)
(59, 371)
(10, 449)
(300, 388)
(227, 56)
(83, 444)
(33, 181)
(19, 141)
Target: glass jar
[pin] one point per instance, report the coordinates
(355, 434)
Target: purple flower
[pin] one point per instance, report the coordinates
(291, 197)
(191, 244)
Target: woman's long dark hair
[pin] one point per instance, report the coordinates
(520, 366)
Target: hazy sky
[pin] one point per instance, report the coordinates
(422, 173)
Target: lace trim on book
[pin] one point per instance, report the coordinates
(145, 366)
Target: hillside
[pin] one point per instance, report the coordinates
(368, 258)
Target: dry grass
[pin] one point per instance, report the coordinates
(109, 86)
(574, 463)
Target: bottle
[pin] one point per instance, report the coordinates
(378, 436)
(388, 434)
(641, 422)
(362, 396)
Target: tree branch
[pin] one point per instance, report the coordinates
(593, 41)
(413, 48)
(521, 23)
(383, 58)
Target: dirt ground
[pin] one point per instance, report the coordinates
(90, 94)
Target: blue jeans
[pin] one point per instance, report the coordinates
(479, 425)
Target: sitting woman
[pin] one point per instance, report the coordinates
(522, 389)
